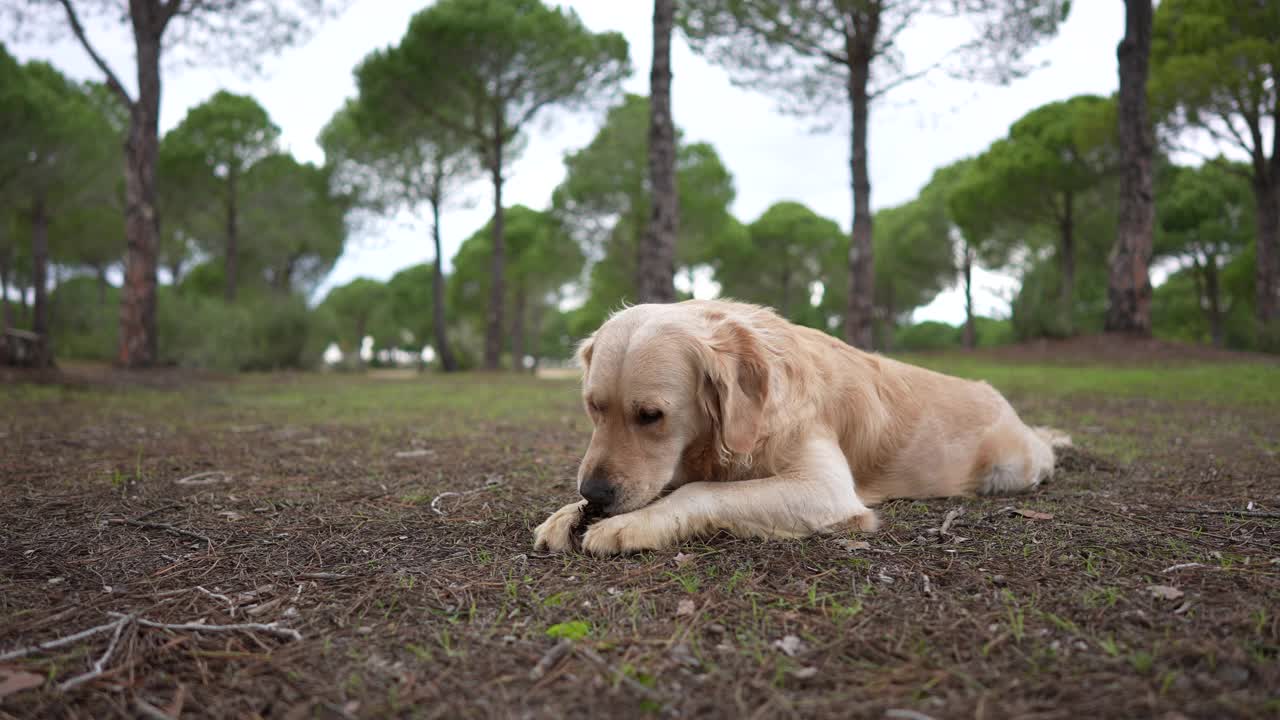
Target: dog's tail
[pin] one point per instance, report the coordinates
(1053, 437)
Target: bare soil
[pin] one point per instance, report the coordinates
(388, 521)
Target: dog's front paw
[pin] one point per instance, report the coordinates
(556, 532)
(627, 533)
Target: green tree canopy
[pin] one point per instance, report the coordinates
(1205, 219)
(787, 250)
(1215, 70)
(485, 69)
(604, 204)
(1042, 176)
(223, 137)
(543, 258)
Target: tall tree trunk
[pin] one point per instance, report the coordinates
(101, 272)
(497, 263)
(1129, 286)
(139, 345)
(6, 310)
(1216, 330)
(438, 326)
(657, 271)
(786, 291)
(517, 328)
(890, 320)
(1067, 263)
(40, 281)
(233, 238)
(858, 315)
(970, 332)
(1266, 191)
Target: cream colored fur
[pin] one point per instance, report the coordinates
(767, 429)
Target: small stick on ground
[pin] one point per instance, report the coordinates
(157, 511)
(270, 628)
(549, 660)
(63, 642)
(100, 664)
(435, 502)
(949, 519)
(165, 527)
(1240, 513)
(202, 478)
(645, 692)
(149, 711)
(901, 714)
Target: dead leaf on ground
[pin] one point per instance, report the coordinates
(686, 607)
(231, 515)
(1165, 592)
(682, 558)
(1034, 514)
(414, 453)
(790, 645)
(14, 681)
(852, 545)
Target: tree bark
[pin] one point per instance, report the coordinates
(1213, 294)
(1129, 288)
(786, 290)
(970, 332)
(139, 347)
(1067, 263)
(657, 270)
(497, 262)
(1266, 191)
(441, 331)
(518, 329)
(860, 45)
(40, 281)
(233, 237)
(6, 310)
(101, 272)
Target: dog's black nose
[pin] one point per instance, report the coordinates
(597, 489)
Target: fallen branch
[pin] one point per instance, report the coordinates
(163, 526)
(157, 511)
(149, 711)
(949, 519)
(100, 664)
(204, 478)
(635, 686)
(901, 714)
(549, 660)
(1240, 513)
(270, 628)
(62, 642)
(323, 576)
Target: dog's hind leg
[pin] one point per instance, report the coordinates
(1015, 458)
(817, 496)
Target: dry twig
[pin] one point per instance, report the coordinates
(100, 664)
(1240, 513)
(270, 628)
(163, 526)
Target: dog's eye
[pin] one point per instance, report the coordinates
(648, 417)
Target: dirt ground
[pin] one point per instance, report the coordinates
(368, 541)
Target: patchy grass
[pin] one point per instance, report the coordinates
(389, 522)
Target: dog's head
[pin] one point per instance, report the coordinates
(663, 384)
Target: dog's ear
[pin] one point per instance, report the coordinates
(583, 353)
(735, 385)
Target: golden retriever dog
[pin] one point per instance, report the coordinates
(715, 415)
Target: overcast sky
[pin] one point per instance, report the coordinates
(916, 129)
